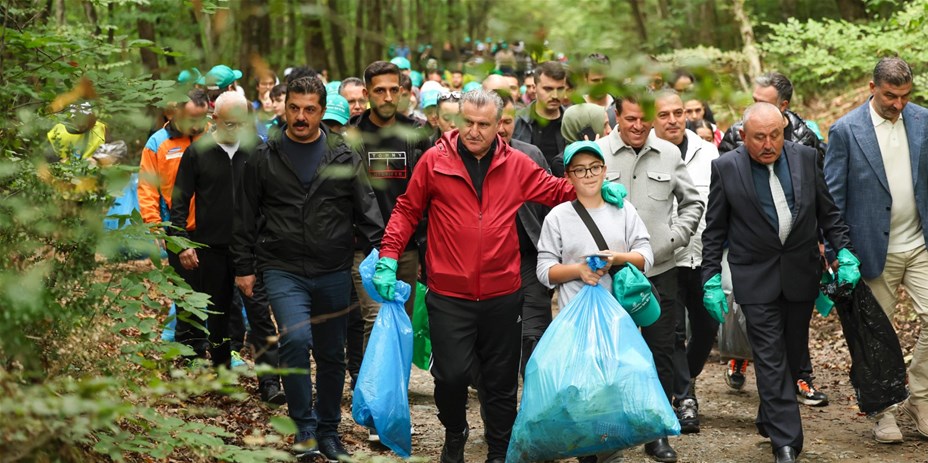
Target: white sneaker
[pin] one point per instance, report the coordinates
(885, 430)
(372, 435)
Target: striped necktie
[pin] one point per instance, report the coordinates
(784, 216)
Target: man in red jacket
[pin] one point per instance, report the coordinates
(472, 183)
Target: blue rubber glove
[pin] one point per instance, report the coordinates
(848, 268)
(385, 278)
(614, 193)
(714, 298)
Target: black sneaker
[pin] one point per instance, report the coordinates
(734, 374)
(808, 395)
(272, 394)
(453, 450)
(332, 448)
(306, 448)
(688, 414)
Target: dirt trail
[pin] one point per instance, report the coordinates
(835, 433)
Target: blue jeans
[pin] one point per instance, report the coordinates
(294, 300)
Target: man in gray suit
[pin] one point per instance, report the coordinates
(768, 200)
(876, 170)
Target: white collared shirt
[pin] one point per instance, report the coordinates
(905, 230)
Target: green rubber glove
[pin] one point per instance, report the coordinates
(385, 278)
(848, 268)
(823, 304)
(714, 298)
(614, 193)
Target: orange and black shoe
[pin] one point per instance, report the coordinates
(734, 374)
(808, 395)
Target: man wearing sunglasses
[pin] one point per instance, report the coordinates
(205, 187)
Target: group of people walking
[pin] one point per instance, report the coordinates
(474, 194)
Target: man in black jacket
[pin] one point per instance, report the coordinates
(539, 123)
(776, 89)
(309, 190)
(209, 171)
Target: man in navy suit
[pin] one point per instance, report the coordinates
(768, 200)
(876, 170)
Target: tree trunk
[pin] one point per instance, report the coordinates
(59, 12)
(338, 38)
(707, 15)
(314, 40)
(787, 9)
(747, 38)
(358, 28)
(639, 21)
(147, 32)
(852, 10)
(111, 33)
(421, 22)
(254, 31)
(374, 34)
(91, 13)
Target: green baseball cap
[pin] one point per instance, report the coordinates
(332, 87)
(416, 78)
(401, 63)
(471, 86)
(189, 76)
(430, 98)
(336, 109)
(221, 76)
(584, 146)
(633, 291)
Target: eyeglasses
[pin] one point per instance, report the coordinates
(583, 172)
(455, 96)
(232, 125)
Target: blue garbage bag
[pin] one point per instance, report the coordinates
(590, 386)
(381, 396)
(124, 204)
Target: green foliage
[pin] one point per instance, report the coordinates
(83, 373)
(834, 54)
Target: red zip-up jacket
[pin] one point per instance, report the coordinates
(473, 246)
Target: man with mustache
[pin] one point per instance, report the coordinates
(654, 173)
(689, 355)
(472, 183)
(875, 169)
(768, 201)
(303, 194)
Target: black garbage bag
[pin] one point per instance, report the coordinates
(878, 371)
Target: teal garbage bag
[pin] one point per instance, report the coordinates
(590, 386)
(381, 396)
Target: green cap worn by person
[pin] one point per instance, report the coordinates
(613, 192)
(337, 109)
(714, 298)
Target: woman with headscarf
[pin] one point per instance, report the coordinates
(584, 121)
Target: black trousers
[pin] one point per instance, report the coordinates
(237, 328)
(354, 340)
(486, 333)
(689, 356)
(777, 332)
(660, 335)
(184, 331)
(215, 277)
(536, 308)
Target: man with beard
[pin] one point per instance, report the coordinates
(391, 144)
(539, 123)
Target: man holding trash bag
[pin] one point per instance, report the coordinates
(875, 169)
(768, 200)
(472, 183)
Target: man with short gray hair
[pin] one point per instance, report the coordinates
(875, 169)
(768, 201)
(472, 183)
